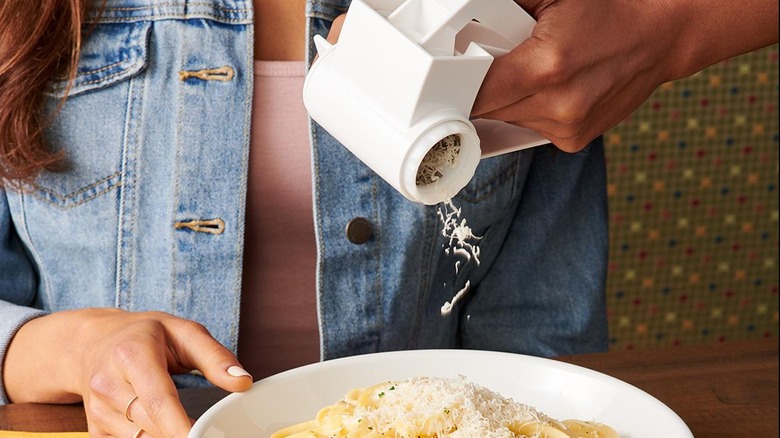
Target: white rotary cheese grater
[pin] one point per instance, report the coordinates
(398, 87)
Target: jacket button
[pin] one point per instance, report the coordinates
(359, 230)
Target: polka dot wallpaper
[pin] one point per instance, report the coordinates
(692, 186)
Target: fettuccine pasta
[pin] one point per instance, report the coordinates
(436, 407)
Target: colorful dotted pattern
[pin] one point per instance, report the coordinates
(693, 182)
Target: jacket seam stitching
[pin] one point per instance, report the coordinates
(165, 5)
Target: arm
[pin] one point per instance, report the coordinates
(12, 318)
(721, 29)
(588, 65)
(17, 286)
(105, 357)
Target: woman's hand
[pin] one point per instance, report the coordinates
(107, 357)
(590, 64)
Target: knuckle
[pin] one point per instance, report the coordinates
(568, 113)
(154, 405)
(196, 327)
(570, 145)
(191, 329)
(126, 352)
(568, 131)
(101, 383)
(555, 66)
(158, 315)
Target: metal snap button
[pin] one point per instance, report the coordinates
(359, 230)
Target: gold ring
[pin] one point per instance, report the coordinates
(127, 413)
(138, 433)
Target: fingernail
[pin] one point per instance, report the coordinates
(237, 371)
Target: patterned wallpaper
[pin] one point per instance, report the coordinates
(693, 200)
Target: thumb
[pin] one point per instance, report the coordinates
(335, 29)
(195, 348)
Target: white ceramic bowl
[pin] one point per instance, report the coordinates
(558, 389)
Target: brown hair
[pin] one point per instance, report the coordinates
(39, 40)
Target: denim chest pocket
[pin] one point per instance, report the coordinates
(111, 54)
(93, 125)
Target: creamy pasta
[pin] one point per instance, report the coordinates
(436, 407)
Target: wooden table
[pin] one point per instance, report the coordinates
(719, 390)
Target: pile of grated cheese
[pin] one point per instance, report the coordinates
(443, 407)
(442, 155)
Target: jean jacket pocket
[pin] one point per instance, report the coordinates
(111, 54)
(91, 127)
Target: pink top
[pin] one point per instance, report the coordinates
(278, 328)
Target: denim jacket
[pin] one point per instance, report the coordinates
(148, 213)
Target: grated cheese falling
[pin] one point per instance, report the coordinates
(462, 243)
(462, 240)
(446, 309)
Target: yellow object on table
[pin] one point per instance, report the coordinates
(18, 434)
